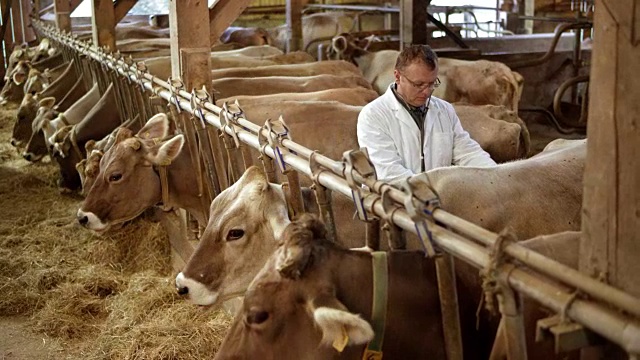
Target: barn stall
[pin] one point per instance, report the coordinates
(58, 317)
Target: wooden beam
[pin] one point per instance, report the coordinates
(73, 5)
(294, 24)
(222, 14)
(611, 208)
(103, 23)
(122, 7)
(62, 9)
(26, 7)
(413, 22)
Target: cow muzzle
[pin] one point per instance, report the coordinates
(197, 292)
(90, 221)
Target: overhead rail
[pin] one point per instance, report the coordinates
(602, 308)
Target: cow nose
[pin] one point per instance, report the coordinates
(182, 290)
(83, 219)
(27, 156)
(14, 142)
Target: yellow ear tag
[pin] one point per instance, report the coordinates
(341, 343)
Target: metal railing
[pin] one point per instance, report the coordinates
(606, 310)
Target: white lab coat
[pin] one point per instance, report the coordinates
(392, 139)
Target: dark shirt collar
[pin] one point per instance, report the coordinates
(410, 108)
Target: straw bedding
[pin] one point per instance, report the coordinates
(102, 296)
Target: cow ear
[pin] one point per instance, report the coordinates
(89, 146)
(339, 326)
(47, 102)
(164, 153)
(156, 128)
(19, 78)
(298, 240)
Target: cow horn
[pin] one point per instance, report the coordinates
(122, 134)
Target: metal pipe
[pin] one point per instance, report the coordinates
(557, 97)
(561, 28)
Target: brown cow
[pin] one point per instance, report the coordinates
(278, 84)
(313, 300)
(355, 97)
(499, 131)
(130, 166)
(251, 36)
(70, 141)
(228, 266)
(509, 189)
(338, 68)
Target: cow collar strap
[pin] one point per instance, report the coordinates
(380, 267)
(164, 186)
(74, 143)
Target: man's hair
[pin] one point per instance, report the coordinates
(413, 53)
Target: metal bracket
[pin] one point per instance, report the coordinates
(420, 204)
(358, 161)
(175, 85)
(278, 131)
(198, 99)
(141, 69)
(567, 335)
(229, 120)
(394, 233)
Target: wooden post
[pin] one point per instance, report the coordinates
(62, 9)
(222, 14)
(611, 207)
(413, 22)
(103, 24)
(294, 24)
(26, 9)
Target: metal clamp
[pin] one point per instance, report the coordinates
(278, 131)
(358, 161)
(198, 99)
(141, 69)
(128, 63)
(229, 120)
(114, 59)
(175, 85)
(420, 204)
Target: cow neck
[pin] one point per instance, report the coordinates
(380, 298)
(74, 143)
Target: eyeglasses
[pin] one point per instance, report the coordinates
(423, 87)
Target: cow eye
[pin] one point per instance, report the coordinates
(235, 234)
(257, 317)
(115, 177)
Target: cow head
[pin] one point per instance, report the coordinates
(19, 53)
(346, 47)
(127, 182)
(26, 113)
(67, 153)
(244, 222)
(37, 81)
(291, 310)
(13, 89)
(37, 144)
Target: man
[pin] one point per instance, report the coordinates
(407, 131)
